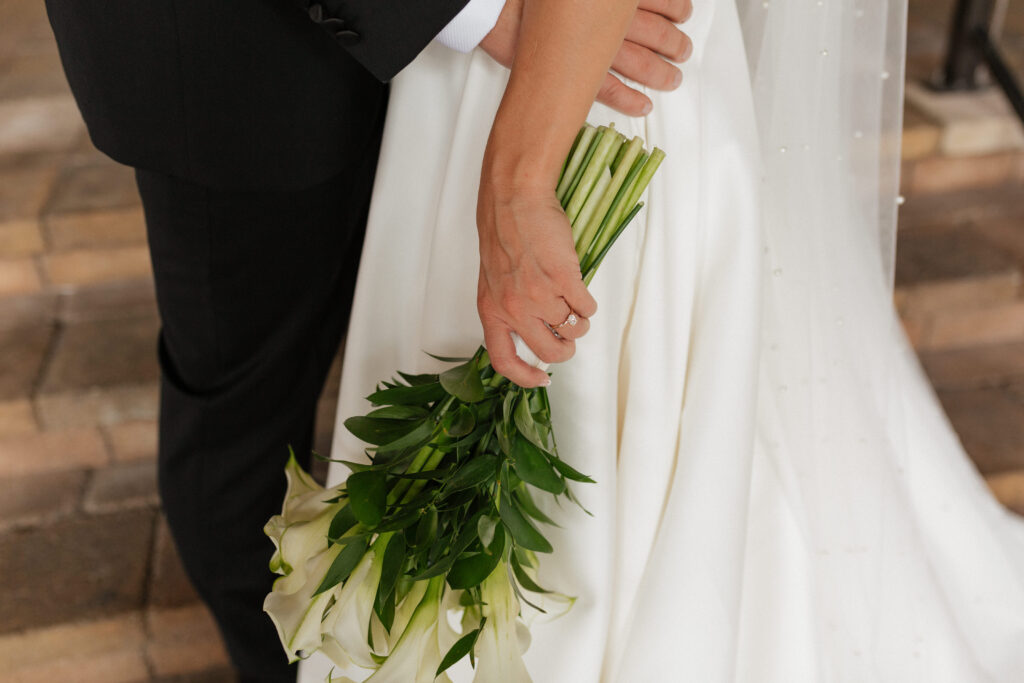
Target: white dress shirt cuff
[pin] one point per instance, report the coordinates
(468, 28)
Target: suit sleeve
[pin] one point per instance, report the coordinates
(383, 35)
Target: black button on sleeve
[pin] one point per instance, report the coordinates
(347, 37)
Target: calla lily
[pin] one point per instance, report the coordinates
(303, 556)
(417, 654)
(499, 648)
(348, 619)
(305, 502)
(404, 611)
(293, 607)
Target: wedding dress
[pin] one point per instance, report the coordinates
(779, 497)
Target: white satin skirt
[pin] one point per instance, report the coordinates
(702, 561)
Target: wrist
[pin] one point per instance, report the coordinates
(523, 159)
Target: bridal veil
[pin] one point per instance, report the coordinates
(909, 551)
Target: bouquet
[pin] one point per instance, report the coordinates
(443, 517)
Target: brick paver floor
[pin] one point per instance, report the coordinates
(92, 588)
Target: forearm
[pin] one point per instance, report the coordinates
(565, 50)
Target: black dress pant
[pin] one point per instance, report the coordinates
(254, 291)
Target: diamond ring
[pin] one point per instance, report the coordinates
(570, 321)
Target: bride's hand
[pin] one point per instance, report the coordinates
(653, 39)
(529, 272)
(529, 276)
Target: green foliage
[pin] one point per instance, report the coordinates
(343, 564)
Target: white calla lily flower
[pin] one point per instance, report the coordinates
(404, 611)
(305, 502)
(348, 619)
(499, 648)
(417, 654)
(293, 607)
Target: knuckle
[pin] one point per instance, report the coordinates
(566, 351)
(502, 365)
(677, 10)
(667, 34)
(646, 71)
(510, 302)
(536, 292)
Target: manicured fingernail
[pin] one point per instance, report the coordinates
(677, 79)
(547, 382)
(646, 109)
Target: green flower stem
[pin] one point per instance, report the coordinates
(590, 232)
(575, 161)
(616, 155)
(578, 175)
(417, 465)
(592, 268)
(619, 206)
(431, 464)
(604, 179)
(591, 174)
(639, 185)
(657, 156)
(623, 148)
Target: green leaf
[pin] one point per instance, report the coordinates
(391, 567)
(439, 475)
(569, 473)
(343, 521)
(477, 434)
(343, 565)
(506, 435)
(526, 424)
(524, 501)
(409, 396)
(447, 359)
(400, 412)
(457, 651)
(496, 546)
(524, 557)
(463, 382)
(477, 470)
(356, 466)
(532, 466)
(471, 570)
(459, 422)
(485, 529)
(507, 404)
(399, 521)
(426, 530)
(415, 380)
(385, 612)
(378, 430)
(414, 439)
(524, 579)
(522, 531)
(367, 496)
(467, 535)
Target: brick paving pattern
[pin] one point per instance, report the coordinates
(93, 589)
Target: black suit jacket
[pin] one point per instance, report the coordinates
(239, 94)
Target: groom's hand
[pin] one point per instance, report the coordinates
(652, 40)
